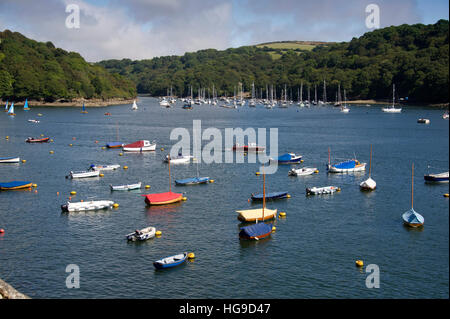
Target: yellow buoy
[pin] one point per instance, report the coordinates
(274, 229)
(288, 196)
(24, 161)
(115, 205)
(301, 161)
(120, 154)
(70, 144)
(338, 189)
(7, 137)
(191, 255)
(51, 140)
(51, 152)
(42, 135)
(103, 148)
(158, 233)
(282, 214)
(101, 175)
(73, 193)
(316, 171)
(125, 167)
(211, 181)
(446, 195)
(147, 186)
(34, 185)
(184, 198)
(359, 263)
(257, 173)
(162, 148)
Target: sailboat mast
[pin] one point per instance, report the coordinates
(264, 194)
(170, 184)
(412, 187)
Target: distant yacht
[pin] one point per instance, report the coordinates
(134, 107)
(392, 108)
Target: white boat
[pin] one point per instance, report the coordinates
(9, 159)
(33, 121)
(140, 146)
(344, 108)
(322, 190)
(369, 184)
(142, 234)
(392, 108)
(164, 103)
(302, 171)
(83, 174)
(134, 107)
(180, 159)
(128, 187)
(423, 121)
(445, 116)
(97, 167)
(87, 206)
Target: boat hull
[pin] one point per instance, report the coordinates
(86, 206)
(269, 196)
(162, 198)
(436, 178)
(10, 160)
(255, 232)
(125, 187)
(38, 140)
(15, 185)
(170, 262)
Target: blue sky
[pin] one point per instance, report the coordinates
(140, 29)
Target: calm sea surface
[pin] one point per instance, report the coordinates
(313, 251)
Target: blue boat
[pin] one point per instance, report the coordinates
(171, 261)
(270, 196)
(413, 218)
(192, 181)
(288, 158)
(187, 106)
(15, 185)
(256, 232)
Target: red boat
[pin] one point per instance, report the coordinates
(252, 147)
(162, 198)
(37, 140)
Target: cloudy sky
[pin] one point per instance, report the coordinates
(140, 29)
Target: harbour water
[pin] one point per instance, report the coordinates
(313, 251)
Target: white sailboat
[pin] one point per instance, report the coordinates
(11, 110)
(134, 107)
(392, 108)
(344, 108)
(369, 184)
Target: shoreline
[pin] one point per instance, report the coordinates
(76, 102)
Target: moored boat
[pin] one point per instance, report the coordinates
(9, 159)
(162, 198)
(83, 174)
(423, 121)
(15, 185)
(302, 171)
(170, 261)
(412, 218)
(369, 184)
(270, 196)
(437, 178)
(37, 140)
(142, 234)
(322, 190)
(258, 214)
(180, 159)
(97, 167)
(256, 232)
(288, 158)
(33, 121)
(192, 181)
(86, 206)
(140, 146)
(114, 145)
(128, 187)
(251, 147)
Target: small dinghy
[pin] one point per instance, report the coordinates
(258, 214)
(171, 261)
(9, 159)
(436, 178)
(33, 121)
(142, 234)
(96, 167)
(83, 174)
(269, 196)
(423, 121)
(180, 159)
(369, 184)
(15, 185)
(114, 145)
(255, 232)
(288, 158)
(162, 198)
(140, 146)
(322, 190)
(302, 171)
(192, 181)
(87, 206)
(128, 187)
(37, 140)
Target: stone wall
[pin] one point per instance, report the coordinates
(8, 292)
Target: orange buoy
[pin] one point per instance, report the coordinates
(2, 230)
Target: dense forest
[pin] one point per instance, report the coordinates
(413, 57)
(39, 71)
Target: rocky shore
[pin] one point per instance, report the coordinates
(75, 102)
(8, 292)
